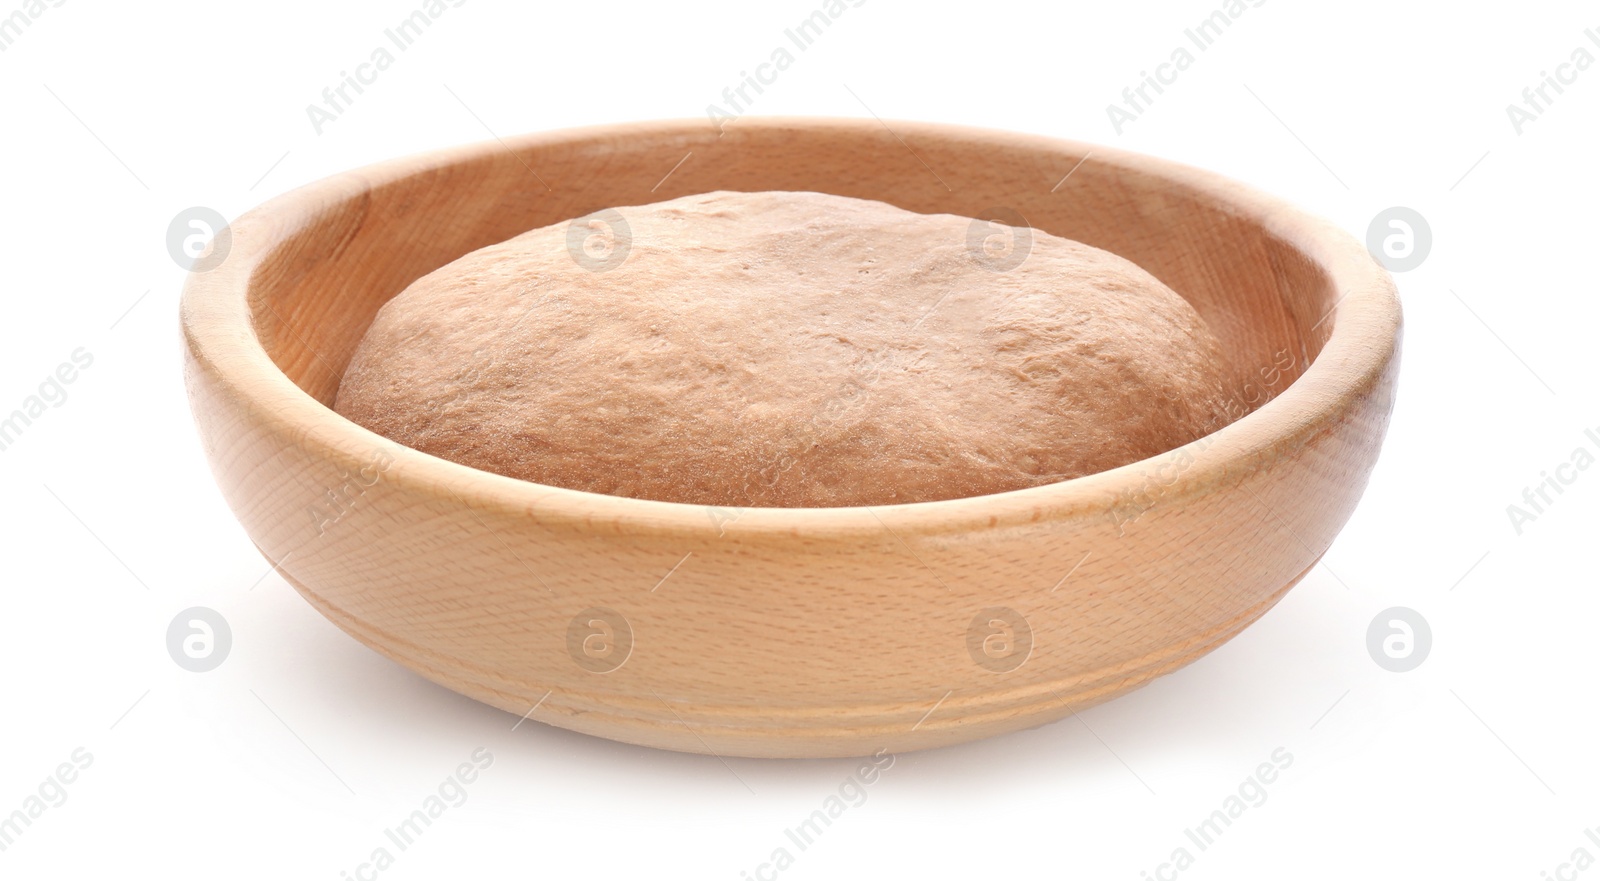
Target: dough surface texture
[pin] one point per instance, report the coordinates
(788, 349)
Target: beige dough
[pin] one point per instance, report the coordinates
(788, 350)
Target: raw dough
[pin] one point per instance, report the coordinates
(787, 349)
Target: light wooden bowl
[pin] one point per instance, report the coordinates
(791, 632)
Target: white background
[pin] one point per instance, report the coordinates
(292, 758)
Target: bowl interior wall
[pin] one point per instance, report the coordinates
(314, 295)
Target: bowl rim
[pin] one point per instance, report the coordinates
(1365, 326)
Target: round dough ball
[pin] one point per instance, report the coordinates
(787, 349)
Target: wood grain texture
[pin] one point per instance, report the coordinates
(791, 632)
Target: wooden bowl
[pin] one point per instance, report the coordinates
(790, 632)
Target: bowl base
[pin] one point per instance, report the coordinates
(812, 732)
